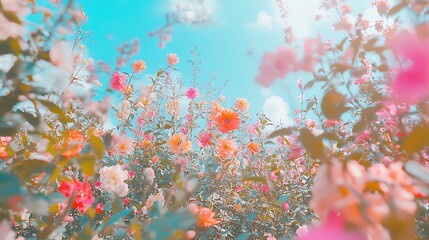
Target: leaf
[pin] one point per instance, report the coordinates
(340, 68)
(28, 168)
(96, 145)
(118, 216)
(87, 164)
(397, 8)
(281, 132)
(416, 140)
(244, 236)
(255, 179)
(333, 105)
(310, 105)
(9, 186)
(417, 170)
(313, 144)
(57, 110)
(283, 198)
(165, 226)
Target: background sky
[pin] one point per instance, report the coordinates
(238, 26)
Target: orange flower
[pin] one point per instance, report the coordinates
(179, 144)
(206, 217)
(228, 120)
(145, 143)
(73, 143)
(3, 153)
(215, 110)
(253, 147)
(226, 148)
(242, 104)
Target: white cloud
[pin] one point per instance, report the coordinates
(277, 110)
(263, 20)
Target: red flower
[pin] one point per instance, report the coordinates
(228, 120)
(84, 198)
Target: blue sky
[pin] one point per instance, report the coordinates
(238, 25)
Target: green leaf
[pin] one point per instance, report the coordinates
(244, 236)
(57, 110)
(397, 8)
(25, 169)
(96, 145)
(9, 186)
(87, 164)
(118, 216)
(165, 226)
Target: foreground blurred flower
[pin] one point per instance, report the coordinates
(228, 120)
(118, 81)
(61, 55)
(139, 66)
(412, 82)
(276, 65)
(172, 59)
(179, 144)
(206, 217)
(332, 229)
(112, 180)
(84, 198)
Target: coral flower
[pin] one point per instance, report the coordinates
(206, 217)
(172, 59)
(117, 81)
(253, 147)
(73, 144)
(179, 144)
(242, 104)
(138, 66)
(226, 148)
(228, 120)
(84, 198)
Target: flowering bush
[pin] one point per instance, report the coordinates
(182, 162)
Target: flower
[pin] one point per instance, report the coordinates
(226, 148)
(73, 143)
(412, 82)
(84, 198)
(242, 104)
(172, 59)
(118, 81)
(138, 66)
(204, 139)
(253, 147)
(149, 174)
(332, 229)
(276, 65)
(179, 144)
(228, 120)
(61, 55)
(159, 197)
(112, 180)
(99, 208)
(191, 93)
(206, 217)
(122, 145)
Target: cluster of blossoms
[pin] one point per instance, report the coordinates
(172, 159)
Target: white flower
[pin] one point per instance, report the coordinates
(112, 180)
(149, 174)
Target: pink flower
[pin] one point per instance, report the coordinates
(118, 81)
(412, 83)
(149, 174)
(140, 121)
(191, 93)
(276, 65)
(204, 139)
(285, 206)
(61, 55)
(332, 229)
(172, 59)
(84, 198)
